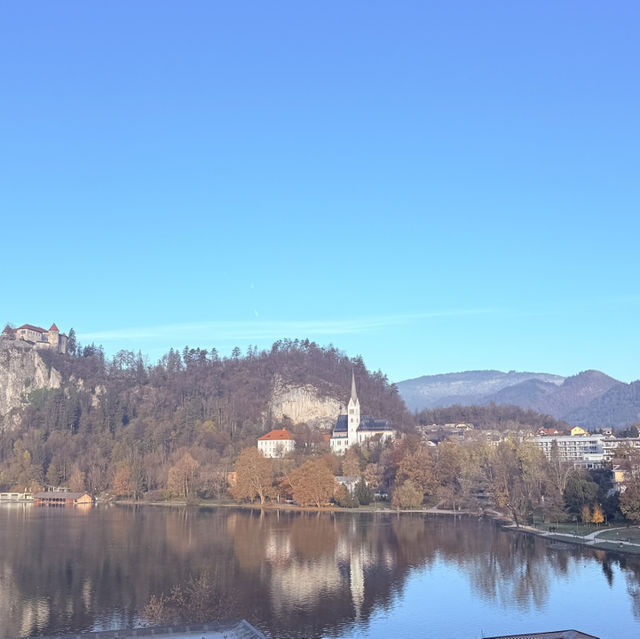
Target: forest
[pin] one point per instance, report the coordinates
(121, 423)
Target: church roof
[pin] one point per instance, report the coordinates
(367, 422)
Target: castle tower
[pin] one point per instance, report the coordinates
(353, 413)
(53, 336)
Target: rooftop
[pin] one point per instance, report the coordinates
(281, 434)
(231, 630)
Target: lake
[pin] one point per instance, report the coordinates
(303, 574)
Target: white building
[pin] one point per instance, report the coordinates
(354, 428)
(276, 443)
(582, 451)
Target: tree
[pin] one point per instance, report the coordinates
(254, 476)
(418, 467)
(518, 478)
(363, 493)
(579, 492)
(183, 475)
(77, 482)
(351, 463)
(407, 495)
(630, 500)
(312, 483)
(597, 517)
(585, 514)
(121, 482)
(71, 343)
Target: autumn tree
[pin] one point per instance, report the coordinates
(630, 499)
(254, 476)
(312, 483)
(518, 478)
(418, 467)
(597, 517)
(121, 482)
(407, 495)
(183, 476)
(77, 482)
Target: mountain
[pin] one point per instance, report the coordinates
(590, 399)
(469, 387)
(617, 408)
(560, 400)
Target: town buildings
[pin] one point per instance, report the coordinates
(354, 428)
(38, 337)
(585, 450)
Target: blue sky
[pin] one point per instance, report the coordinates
(436, 186)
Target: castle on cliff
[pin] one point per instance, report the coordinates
(37, 337)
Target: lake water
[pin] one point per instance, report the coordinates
(305, 574)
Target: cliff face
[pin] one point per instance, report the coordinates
(303, 404)
(22, 370)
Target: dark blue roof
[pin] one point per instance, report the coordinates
(341, 424)
(367, 422)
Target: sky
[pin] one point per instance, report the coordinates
(435, 186)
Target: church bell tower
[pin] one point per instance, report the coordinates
(353, 413)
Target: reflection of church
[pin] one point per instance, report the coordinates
(353, 428)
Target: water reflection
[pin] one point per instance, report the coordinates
(296, 574)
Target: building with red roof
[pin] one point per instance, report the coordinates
(276, 443)
(38, 337)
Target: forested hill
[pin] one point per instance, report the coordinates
(122, 411)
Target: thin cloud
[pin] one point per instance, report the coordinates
(261, 330)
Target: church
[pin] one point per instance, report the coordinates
(353, 428)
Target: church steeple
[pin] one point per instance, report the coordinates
(353, 413)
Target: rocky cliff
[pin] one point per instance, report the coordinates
(303, 404)
(22, 370)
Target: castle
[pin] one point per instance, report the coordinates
(355, 429)
(38, 337)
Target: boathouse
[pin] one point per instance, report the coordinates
(61, 498)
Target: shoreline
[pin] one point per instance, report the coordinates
(585, 541)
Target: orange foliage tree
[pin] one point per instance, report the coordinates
(312, 483)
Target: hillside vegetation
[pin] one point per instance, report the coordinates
(121, 418)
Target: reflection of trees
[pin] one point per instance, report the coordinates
(295, 573)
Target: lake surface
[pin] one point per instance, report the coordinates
(305, 574)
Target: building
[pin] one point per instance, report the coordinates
(583, 452)
(16, 496)
(62, 498)
(38, 337)
(276, 443)
(354, 428)
(578, 431)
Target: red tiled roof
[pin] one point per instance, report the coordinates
(54, 328)
(30, 327)
(283, 433)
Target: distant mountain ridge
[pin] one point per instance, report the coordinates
(590, 399)
(468, 387)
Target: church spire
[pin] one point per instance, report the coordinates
(354, 395)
